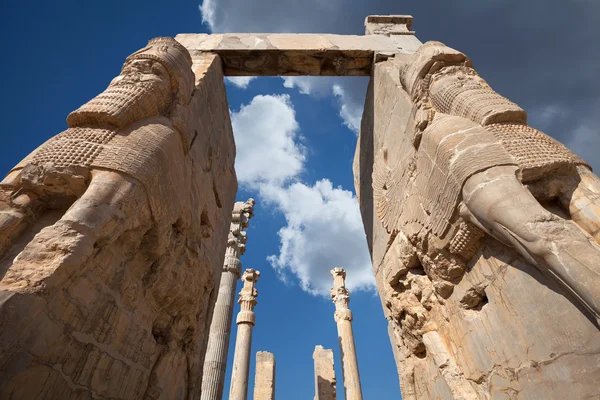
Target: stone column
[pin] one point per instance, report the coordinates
(264, 379)
(343, 318)
(215, 361)
(243, 341)
(324, 374)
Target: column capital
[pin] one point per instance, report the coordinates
(339, 293)
(240, 216)
(247, 297)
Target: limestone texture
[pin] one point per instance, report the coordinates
(483, 233)
(324, 374)
(264, 380)
(263, 54)
(113, 234)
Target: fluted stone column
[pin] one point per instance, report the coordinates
(324, 374)
(343, 318)
(215, 361)
(264, 378)
(243, 341)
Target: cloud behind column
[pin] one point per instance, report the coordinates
(323, 223)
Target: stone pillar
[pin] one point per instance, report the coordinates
(468, 256)
(324, 374)
(343, 318)
(112, 230)
(264, 379)
(243, 341)
(215, 361)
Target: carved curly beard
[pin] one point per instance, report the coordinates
(123, 103)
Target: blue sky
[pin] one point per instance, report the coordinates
(296, 137)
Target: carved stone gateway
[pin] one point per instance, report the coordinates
(484, 232)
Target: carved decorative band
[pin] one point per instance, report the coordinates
(232, 264)
(342, 315)
(247, 317)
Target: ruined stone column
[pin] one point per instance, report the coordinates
(215, 361)
(243, 341)
(324, 374)
(264, 379)
(343, 318)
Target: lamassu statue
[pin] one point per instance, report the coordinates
(109, 233)
(478, 167)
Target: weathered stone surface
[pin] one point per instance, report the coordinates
(481, 231)
(343, 318)
(264, 380)
(261, 54)
(388, 25)
(215, 361)
(324, 374)
(112, 235)
(243, 341)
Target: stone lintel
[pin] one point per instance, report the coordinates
(289, 54)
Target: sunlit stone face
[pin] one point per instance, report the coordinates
(142, 90)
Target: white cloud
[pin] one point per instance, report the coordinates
(208, 11)
(266, 133)
(318, 86)
(349, 92)
(350, 111)
(323, 224)
(324, 230)
(240, 81)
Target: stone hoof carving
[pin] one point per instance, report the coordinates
(478, 168)
(103, 257)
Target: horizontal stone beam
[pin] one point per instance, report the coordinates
(285, 54)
